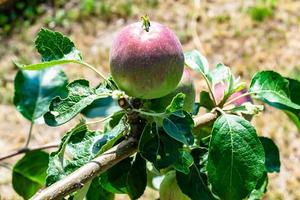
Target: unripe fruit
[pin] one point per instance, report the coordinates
(219, 93)
(169, 190)
(146, 62)
(185, 86)
(241, 100)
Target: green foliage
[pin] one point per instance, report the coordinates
(105, 141)
(77, 142)
(236, 157)
(101, 108)
(259, 13)
(79, 97)
(34, 91)
(55, 46)
(179, 128)
(158, 147)
(262, 10)
(273, 89)
(205, 100)
(184, 162)
(55, 49)
(129, 176)
(294, 114)
(260, 189)
(194, 184)
(96, 192)
(279, 92)
(29, 173)
(272, 161)
(196, 61)
(222, 75)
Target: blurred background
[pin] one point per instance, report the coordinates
(247, 35)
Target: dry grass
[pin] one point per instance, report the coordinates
(221, 29)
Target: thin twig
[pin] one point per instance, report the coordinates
(25, 150)
(100, 164)
(97, 72)
(29, 135)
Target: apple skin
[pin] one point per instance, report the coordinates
(146, 65)
(169, 190)
(241, 100)
(185, 86)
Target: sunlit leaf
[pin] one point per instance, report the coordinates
(34, 91)
(80, 95)
(236, 158)
(29, 173)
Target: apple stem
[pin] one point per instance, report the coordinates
(146, 22)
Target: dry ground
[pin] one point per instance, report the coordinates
(221, 29)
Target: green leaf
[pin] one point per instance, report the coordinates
(176, 104)
(172, 130)
(101, 108)
(196, 61)
(184, 162)
(35, 90)
(55, 46)
(149, 142)
(294, 87)
(236, 158)
(294, 115)
(29, 173)
(221, 73)
(248, 108)
(194, 184)
(55, 49)
(136, 187)
(273, 89)
(272, 161)
(168, 152)
(128, 176)
(223, 83)
(113, 121)
(77, 145)
(179, 128)
(97, 192)
(106, 140)
(260, 189)
(79, 97)
(195, 109)
(114, 179)
(206, 101)
(157, 147)
(81, 193)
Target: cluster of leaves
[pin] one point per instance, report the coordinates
(224, 159)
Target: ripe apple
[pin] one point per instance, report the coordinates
(146, 61)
